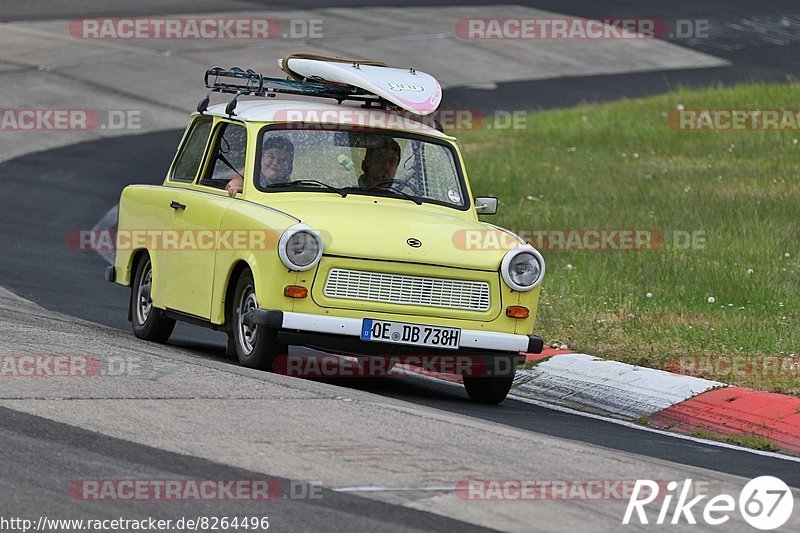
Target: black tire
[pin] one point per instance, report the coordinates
(491, 383)
(148, 322)
(490, 390)
(256, 347)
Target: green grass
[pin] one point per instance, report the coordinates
(530, 365)
(747, 440)
(620, 166)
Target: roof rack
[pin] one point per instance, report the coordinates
(247, 82)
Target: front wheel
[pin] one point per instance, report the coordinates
(148, 322)
(489, 390)
(256, 346)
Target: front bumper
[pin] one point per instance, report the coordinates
(344, 334)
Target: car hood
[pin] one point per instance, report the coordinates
(389, 229)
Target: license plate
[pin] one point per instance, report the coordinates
(413, 334)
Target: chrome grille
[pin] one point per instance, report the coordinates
(407, 290)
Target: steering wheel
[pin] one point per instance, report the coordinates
(397, 184)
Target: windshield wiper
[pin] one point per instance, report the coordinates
(384, 188)
(295, 183)
(394, 189)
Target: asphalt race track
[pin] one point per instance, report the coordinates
(50, 194)
(29, 441)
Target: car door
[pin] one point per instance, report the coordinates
(198, 218)
(182, 175)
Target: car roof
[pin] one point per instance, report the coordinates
(285, 110)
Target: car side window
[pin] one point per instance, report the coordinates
(230, 149)
(188, 161)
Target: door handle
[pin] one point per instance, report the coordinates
(176, 205)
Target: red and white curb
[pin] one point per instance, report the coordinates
(661, 399)
(736, 410)
(634, 395)
(587, 383)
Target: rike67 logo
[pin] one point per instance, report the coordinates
(765, 503)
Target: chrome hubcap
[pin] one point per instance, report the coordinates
(247, 335)
(144, 303)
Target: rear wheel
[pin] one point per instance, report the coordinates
(148, 322)
(256, 346)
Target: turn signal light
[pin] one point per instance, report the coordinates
(295, 291)
(516, 311)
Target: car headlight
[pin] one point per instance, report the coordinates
(300, 247)
(522, 268)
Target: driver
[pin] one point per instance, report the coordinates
(380, 164)
(277, 158)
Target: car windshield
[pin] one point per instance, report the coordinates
(359, 162)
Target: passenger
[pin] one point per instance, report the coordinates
(277, 159)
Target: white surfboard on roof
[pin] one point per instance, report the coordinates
(409, 89)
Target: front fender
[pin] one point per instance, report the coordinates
(260, 229)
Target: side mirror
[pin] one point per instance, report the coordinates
(486, 205)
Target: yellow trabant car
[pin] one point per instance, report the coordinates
(345, 229)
